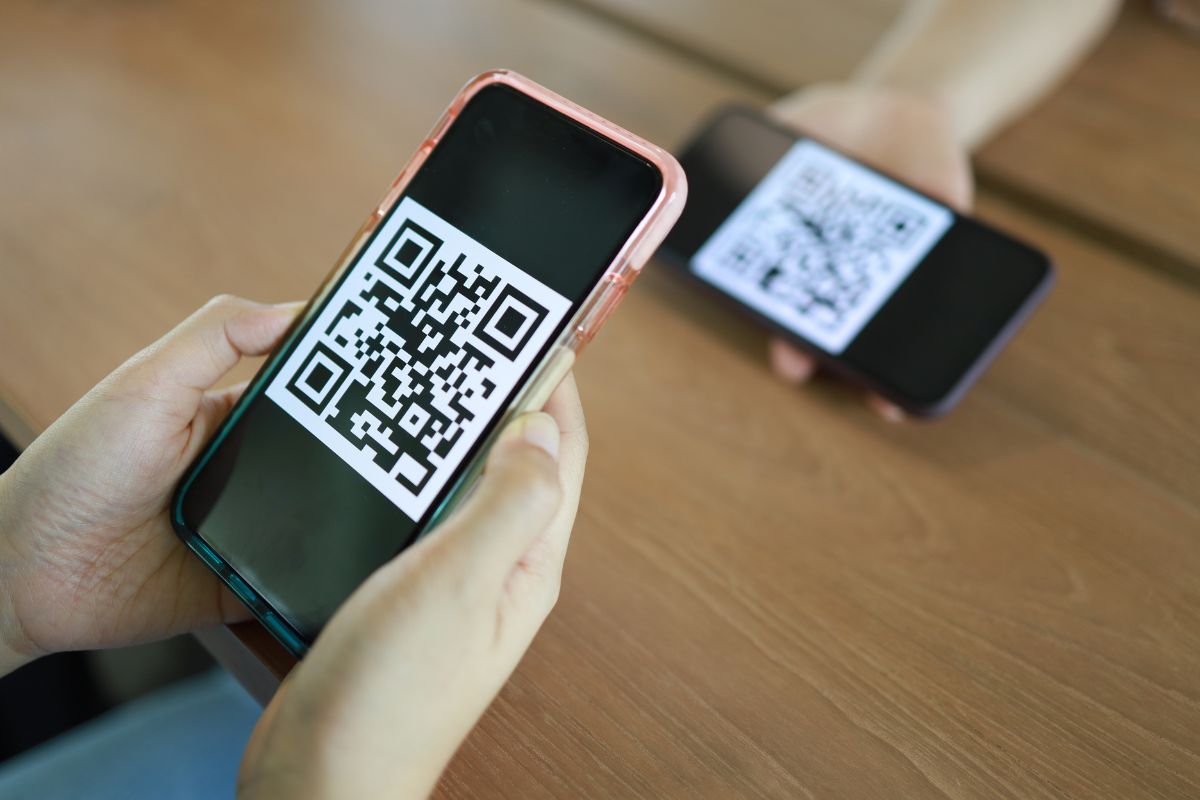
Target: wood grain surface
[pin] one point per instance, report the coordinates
(770, 593)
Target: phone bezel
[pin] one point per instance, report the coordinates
(604, 296)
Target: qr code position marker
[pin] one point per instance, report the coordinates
(414, 353)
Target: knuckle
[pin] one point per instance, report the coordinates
(225, 304)
(535, 476)
(220, 301)
(551, 590)
(543, 479)
(213, 348)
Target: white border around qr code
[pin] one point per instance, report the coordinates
(508, 364)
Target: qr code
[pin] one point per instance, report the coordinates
(821, 243)
(414, 353)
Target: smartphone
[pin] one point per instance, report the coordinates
(463, 300)
(882, 284)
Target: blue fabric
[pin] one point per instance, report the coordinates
(179, 743)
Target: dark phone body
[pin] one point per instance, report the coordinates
(278, 514)
(936, 332)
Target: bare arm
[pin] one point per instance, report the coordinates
(986, 60)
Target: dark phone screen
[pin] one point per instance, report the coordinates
(894, 287)
(377, 404)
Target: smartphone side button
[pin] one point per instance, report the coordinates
(283, 632)
(242, 590)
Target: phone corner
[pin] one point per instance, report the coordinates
(490, 75)
(1050, 272)
(932, 411)
(675, 182)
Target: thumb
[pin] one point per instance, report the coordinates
(790, 363)
(209, 343)
(512, 506)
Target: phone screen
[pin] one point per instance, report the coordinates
(379, 402)
(893, 287)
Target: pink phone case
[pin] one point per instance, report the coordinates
(641, 244)
(547, 373)
(604, 297)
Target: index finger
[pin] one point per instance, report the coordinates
(565, 406)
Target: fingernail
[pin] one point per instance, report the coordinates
(791, 366)
(541, 430)
(889, 411)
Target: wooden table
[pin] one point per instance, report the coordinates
(770, 592)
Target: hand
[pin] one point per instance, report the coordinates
(407, 666)
(906, 135)
(87, 554)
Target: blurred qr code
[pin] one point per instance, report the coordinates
(820, 244)
(414, 353)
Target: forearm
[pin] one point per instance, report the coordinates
(987, 61)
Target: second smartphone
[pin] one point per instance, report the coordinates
(499, 251)
(885, 286)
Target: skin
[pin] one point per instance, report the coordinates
(986, 61)
(87, 555)
(431, 637)
(407, 666)
(88, 559)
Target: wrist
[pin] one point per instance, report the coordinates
(294, 770)
(16, 649)
(868, 95)
(861, 106)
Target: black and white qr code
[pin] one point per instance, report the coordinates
(413, 354)
(821, 243)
